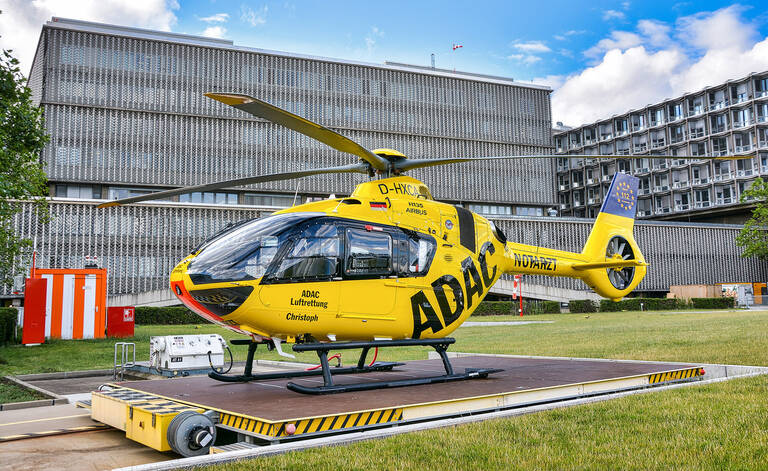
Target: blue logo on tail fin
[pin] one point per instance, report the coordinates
(621, 198)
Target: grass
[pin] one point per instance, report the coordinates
(720, 426)
(737, 337)
(12, 392)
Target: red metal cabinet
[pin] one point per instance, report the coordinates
(120, 321)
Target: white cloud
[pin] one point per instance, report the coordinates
(531, 46)
(217, 18)
(657, 62)
(254, 17)
(617, 40)
(370, 39)
(21, 20)
(215, 32)
(527, 59)
(613, 14)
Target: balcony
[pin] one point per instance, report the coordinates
(660, 165)
(695, 111)
(560, 150)
(672, 119)
(660, 188)
(639, 148)
(763, 145)
(622, 152)
(700, 181)
(682, 207)
(741, 99)
(563, 168)
(743, 149)
(640, 171)
(679, 162)
(681, 184)
(574, 145)
(644, 191)
(621, 133)
(724, 201)
(590, 161)
(565, 187)
(607, 177)
(593, 181)
(696, 133)
(656, 123)
(605, 137)
(578, 204)
(762, 119)
(658, 143)
(644, 212)
(564, 206)
(718, 105)
(764, 169)
(720, 177)
(677, 138)
(594, 200)
(719, 128)
(576, 185)
(589, 142)
(719, 153)
(663, 210)
(743, 124)
(702, 204)
(747, 172)
(761, 94)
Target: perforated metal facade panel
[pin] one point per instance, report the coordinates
(131, 110)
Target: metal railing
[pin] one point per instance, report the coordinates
(118, 372)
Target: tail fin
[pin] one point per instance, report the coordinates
(615, 265)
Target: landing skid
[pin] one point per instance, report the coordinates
(322, 349)
(249, 376)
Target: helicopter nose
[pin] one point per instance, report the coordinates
(212, 303)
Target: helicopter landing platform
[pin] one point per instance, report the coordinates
(267, 412)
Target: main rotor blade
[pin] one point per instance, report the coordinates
(277, 115)
(410, 164)
(352, 168)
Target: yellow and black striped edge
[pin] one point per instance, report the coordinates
(673, 375)
(312, 425)
(47, 433)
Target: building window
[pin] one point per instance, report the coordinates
(491, 209)
(528, 211)
(278, 201)
(209, 197)
(78, 191)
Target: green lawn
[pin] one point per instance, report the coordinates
(722, 426)
(738, 337)
(719, 426)
(12, 392)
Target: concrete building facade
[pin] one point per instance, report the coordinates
(727, 119)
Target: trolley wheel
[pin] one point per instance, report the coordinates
(191, 433)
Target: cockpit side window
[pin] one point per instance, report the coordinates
(368, 253)
(421, 251)
(313, 256)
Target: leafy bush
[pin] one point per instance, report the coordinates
(550, 307)
(505, 308)
(582, 305)
(495, 308)
(648, 304)
(712, 303)
(146, 315)
(8, 317)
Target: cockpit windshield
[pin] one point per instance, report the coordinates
(245, 252)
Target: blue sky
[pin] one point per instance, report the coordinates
(634, 52)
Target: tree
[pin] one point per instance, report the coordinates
(754, 236)
(22, 138)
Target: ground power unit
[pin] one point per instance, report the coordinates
(187, 352)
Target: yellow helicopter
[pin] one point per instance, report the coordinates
(386, 266)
